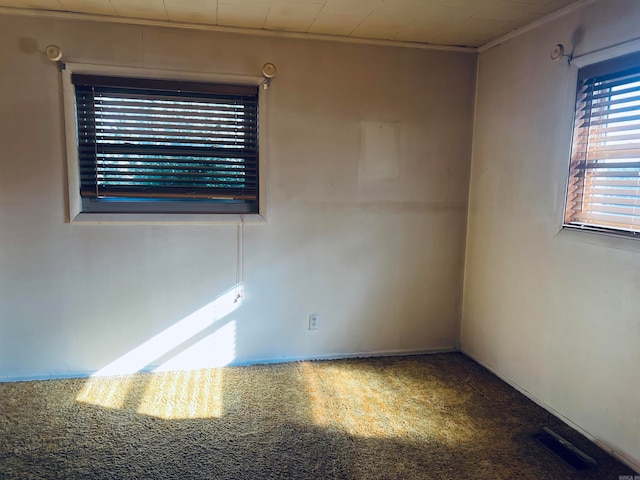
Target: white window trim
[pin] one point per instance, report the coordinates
(75, 204)
(604, 54)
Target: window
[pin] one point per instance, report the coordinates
(164, 146)
(604, 180)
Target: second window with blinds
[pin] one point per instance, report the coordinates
(603, 193)
(163, 146)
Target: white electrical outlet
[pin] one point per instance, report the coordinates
(313, 321)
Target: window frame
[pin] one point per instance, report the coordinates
(576, 64)
(75, 212)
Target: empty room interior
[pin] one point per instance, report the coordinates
(319, 238)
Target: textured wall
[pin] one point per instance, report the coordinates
(375, 248)
(555, 312)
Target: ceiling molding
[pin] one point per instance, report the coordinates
(236, 30)
(536, 23)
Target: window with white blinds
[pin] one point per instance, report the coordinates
(160, 146)
(604, 180)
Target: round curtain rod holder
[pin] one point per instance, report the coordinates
(53, 53)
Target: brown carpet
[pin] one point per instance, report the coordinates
(420, 417)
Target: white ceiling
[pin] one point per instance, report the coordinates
(469, 23)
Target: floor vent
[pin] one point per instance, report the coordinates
(565, 450)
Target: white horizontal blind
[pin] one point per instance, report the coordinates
(604, 180)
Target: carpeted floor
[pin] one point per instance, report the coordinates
(420, 417)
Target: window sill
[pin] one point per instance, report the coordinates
(610, 232)
(165, 219)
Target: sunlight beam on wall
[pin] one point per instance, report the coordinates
(145, 354)
(216, 350)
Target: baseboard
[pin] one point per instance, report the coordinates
(252, 361)
(340, 356)
(48, 376)
(627, 461)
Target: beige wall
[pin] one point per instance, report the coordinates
(555, 312)
(380, 261)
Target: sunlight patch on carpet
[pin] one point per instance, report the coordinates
(184, 395)
(105, 392)
(371, 405)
